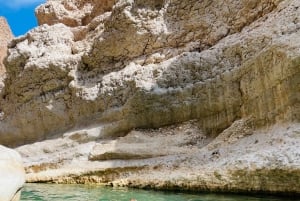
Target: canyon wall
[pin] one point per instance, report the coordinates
(5, 36)
(99, 76)
(143, 65)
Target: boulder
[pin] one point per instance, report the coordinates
(12, 174)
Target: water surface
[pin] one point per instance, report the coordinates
(51, 192)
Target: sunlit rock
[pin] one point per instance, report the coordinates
(195, 95)
(12, 174)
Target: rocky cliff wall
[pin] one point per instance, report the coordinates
(5, 37)
(95, 71)
(138, 65)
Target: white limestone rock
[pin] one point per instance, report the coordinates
(12, 174)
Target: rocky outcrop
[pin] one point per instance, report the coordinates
(82, 79)
(97, 75)
(238, 160)
(5, 37)
(12, 174)
(72, 13)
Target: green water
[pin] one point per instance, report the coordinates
(50, 192)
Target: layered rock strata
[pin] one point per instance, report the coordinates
(238, 160)
(97, 75)
(108, 78)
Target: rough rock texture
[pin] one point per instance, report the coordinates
(238, 160)
(5, 37)
(12, 174)
(108, 78)
(72, 12)
(97, 76)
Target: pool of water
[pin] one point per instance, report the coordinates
(51, 192)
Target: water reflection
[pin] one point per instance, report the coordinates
(50, 192)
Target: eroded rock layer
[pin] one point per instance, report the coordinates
(5, 37)
(97, 75)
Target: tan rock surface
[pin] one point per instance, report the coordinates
(266, 161)
(72, 13)
(96, 76)
(5, 36)
(135, 85)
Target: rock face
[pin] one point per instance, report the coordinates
(99, 81)
(72, 13)
(5, 37)
(12, 174)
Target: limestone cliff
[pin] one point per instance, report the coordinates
(138, 65)
(99, 80)
(5, 37)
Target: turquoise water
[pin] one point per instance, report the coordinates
(50, 192)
